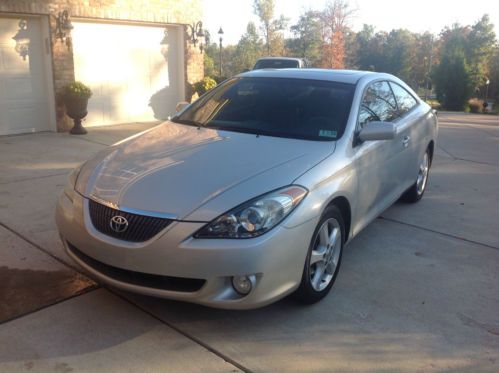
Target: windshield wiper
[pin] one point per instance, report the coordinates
(252, 131)
(186, 121)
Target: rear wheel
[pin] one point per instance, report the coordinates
(416, 191)
(324, 257)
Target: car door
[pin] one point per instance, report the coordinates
(377, 162)
(408, 128)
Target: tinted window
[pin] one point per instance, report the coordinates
(295, 108)
(276, 64)
(404, 99)
(378, 104)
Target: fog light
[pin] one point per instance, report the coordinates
(242, 284)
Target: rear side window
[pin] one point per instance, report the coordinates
(378, 104)
(276, 64)
(404, 99)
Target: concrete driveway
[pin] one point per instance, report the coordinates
(418, 289)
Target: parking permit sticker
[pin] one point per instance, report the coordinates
(328, 133)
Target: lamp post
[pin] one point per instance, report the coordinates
(485, 103)
(220, 32)
(487, 88)
(427, 83)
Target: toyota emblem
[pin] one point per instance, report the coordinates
(118, 224)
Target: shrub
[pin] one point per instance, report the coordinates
(434, 104)
(452, 78)
(204, 85)
(77, 90)
(476, 105)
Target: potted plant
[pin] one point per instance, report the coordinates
(204, 85)
(76, 97)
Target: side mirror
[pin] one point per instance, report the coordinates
(377, 131)
(181, 106)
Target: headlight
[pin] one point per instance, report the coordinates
(69, 189)
(255, 217)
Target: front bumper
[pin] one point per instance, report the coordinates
(275, 259)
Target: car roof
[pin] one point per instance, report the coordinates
(281, 58)
(342, 76)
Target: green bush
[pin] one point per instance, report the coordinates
(77, 89)
(434, 104)
(452, 78)
(204, 85)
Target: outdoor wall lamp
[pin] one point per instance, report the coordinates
(63, 27)
(22, 39)
(195, 32)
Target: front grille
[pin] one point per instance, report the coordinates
(139, 278)
(140, 227)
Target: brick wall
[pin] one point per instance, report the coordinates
(152, 11)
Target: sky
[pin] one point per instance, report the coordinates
(385, 15)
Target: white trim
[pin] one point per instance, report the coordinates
(49, 71)
(181, 62)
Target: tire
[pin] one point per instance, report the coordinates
(326, 253)
(416, 191)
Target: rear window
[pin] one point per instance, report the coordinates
(294, 108)
(276, 64)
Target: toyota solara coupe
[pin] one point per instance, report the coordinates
(251, 192)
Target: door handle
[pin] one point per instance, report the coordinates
(405, 141)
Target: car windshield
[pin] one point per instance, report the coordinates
(276, 64)
(283, 107)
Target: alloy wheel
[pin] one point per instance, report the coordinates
(325, 255)
(423, 174)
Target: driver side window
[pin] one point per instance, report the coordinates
(378, 104)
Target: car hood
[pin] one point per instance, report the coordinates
(175, 169)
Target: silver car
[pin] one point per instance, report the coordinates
(280, 63)
(251, 192)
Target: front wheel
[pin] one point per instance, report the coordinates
(416, 191)
(323, 258)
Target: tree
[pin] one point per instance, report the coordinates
(423, 59)
(351, 49)
(371, 49)
(271, 27)
(481, 46)
(209, 65)
(452, 75)
(334, 19)
(307, 38)
(399, 55)
(248, 50)
(493, 91)
(211, 59)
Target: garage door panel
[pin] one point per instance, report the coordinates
(18, 88)
(95, 112)
(126, 69)
(116, 111)
(12, 61)
(19, 118)
(23, 81)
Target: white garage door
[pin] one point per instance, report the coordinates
(135, 72)
(24, 90)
